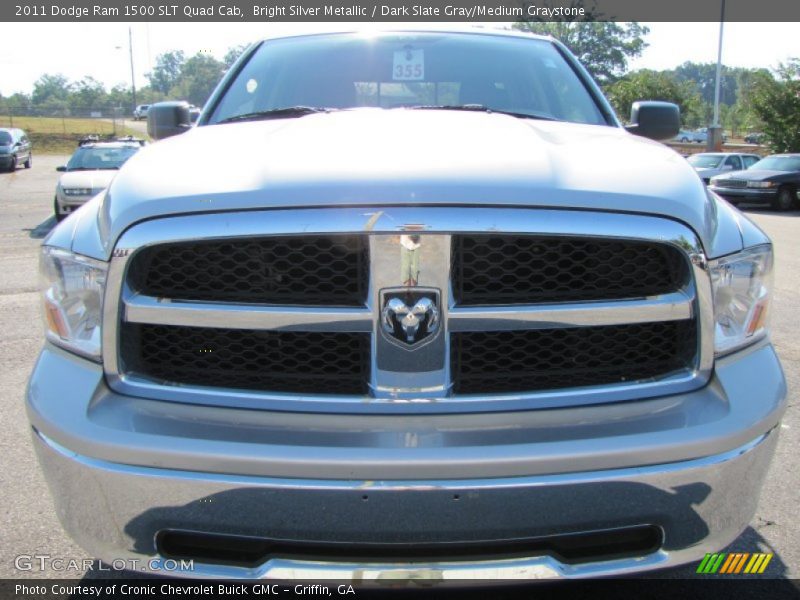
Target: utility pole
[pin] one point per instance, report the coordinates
(714, 141)
(133, 78)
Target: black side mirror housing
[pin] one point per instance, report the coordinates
(166, 119)
(61, 169)
(654, 119)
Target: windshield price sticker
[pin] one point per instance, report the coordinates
(409, 65)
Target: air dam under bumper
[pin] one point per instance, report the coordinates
(120, 474)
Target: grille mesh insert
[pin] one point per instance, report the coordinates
(307, 270)
(517, 361)
(506, 269)
(300, 362)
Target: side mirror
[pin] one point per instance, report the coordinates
(61, 169)
(166, 119)
(655, 120)
(727, 167)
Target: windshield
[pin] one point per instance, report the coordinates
(705, 161)
(100, 158)
(5, 138)
(526, 76)
(778, 163)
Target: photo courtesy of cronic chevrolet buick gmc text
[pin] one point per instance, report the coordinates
(442, 317)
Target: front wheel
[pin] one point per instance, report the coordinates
(28, 163)
(59, 216)
(784, 200)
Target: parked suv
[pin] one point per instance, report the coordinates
(15, 148)
(443, 317)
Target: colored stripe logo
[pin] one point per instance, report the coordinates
(734, 562)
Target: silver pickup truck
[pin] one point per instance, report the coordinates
(406, 305)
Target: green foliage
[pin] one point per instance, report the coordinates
(654, 85)
(776, 102)
(232, 54)
(52, 92)
(603, 47)
(167, 72)
(199, 75)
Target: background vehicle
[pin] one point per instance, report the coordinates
(709, 164)
(754, 138)
(774, 180)
(441, 310)
(140, 112)
(685, 136)
(89, 171)
(15, 148)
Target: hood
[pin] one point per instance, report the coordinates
(753, 175)
(377, 157)
(96, 180)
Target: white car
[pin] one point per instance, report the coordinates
(89, 171)
(711, 164)
(140, 112)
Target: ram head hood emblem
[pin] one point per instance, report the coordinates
(409, 319)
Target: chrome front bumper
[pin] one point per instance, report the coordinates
(122, 469)
(748, 194)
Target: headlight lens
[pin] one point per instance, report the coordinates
(741, 285)
(77, 191)
(761, 184)
(73, 288)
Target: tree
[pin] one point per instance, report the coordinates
(199, 76)
(777, 103)
(167, 72)
(232, 54)
(604, 47)
(52, 92)
(654, 85)
(88, 93)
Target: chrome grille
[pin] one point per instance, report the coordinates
(630, 319)
(730, 183)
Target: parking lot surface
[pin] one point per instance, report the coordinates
(29, 526)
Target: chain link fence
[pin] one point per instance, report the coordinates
(57, 129)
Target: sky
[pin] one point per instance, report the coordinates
(101, 49)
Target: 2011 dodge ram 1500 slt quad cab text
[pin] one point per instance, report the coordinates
(436, 312)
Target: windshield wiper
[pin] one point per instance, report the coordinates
(484, 108)
(277, 113)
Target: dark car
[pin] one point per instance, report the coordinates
(754, 138)
(774, 180)
(15, 148)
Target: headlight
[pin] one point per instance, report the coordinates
(741, 286)
(73, 288)
(761, 184)
(77, 191)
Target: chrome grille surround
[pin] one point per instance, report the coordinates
(427, 387)
(730, 183)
